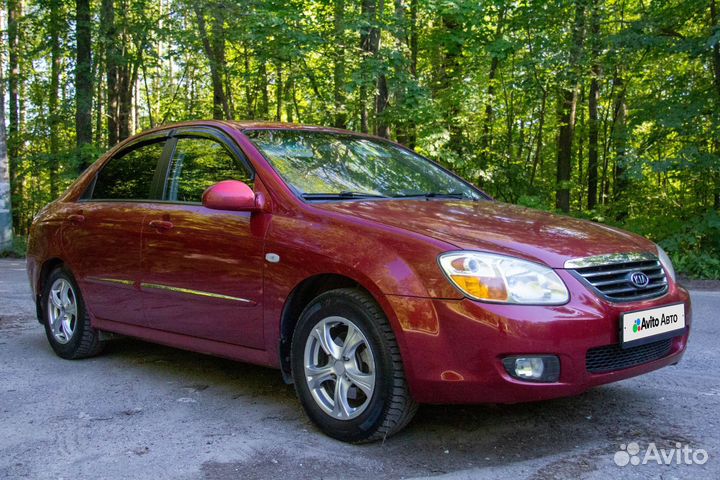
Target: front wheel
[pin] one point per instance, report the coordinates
(347, 368)
(67, 324)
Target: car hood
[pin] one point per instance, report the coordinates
(498, 227)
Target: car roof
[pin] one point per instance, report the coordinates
(249, 125)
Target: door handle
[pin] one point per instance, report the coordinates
(76, 218)
(161, 224)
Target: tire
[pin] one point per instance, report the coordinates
(67, 324)
(368, 375)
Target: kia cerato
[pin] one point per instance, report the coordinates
(371, 277)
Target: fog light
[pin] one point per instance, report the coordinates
(544, 368)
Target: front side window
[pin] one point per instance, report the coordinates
(129, 175)
(320, 164)
(199, 163)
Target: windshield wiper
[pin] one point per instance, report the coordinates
(431, 195)
(343, 194)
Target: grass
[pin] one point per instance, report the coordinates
(18, 249)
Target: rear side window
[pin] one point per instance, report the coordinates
(129, 176)
(199, 163)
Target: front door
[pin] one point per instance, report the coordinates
(202, 268)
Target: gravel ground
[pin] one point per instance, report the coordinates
(147, 411)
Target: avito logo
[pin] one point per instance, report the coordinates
(637, 326)
(642, 324)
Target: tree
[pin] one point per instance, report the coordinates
(339, 66)
(6, 219)
(566, 114)
(110, 42)
(83, 80)
(215, 50)
(495, 91)
(715, 25)
(54, 30)
(593, 99)
(13, 137)
(494, 64)
(369, 45)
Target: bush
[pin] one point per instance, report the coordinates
(695, 247)
(19, 248)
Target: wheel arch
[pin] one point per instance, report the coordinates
(47, 267)
(301, 296)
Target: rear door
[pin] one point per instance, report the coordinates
(101, 234)
(202, 268)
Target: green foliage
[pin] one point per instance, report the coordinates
(695, 246)
(18, 250)
(478, 86)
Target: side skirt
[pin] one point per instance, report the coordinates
(184, 342)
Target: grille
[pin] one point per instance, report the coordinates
(613, 280)
(612, 357)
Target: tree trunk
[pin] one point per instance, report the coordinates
(215, 51)
(413, 37)
(369, 43)
(539, 142)
(449, 71)
(413, 40)
(127, 78)
(53, 114)
(279, 93)
(564, 157)
(249, 97)
(6, 220)
(340, 112)
(716, 75)
(620, 143)
(99, 103)
(83, 80)
(716, 47)
(488, 120)
(218, 46)
(568, 106)
(382, 100)
(289, 95)
(110, 41)
(265, 100)
(592, 185)
(404, 126)
(593, 99)
(13, 137)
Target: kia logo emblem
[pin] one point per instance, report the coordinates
(639, 279)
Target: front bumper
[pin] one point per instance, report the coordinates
(453, 349)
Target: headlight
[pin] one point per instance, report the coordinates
(497, 278)
(666, 262)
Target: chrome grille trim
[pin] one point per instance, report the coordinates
(609, 275)
(608, 259)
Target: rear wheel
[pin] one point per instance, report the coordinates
(347, 368)
(67, 324)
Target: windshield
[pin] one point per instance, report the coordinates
(321, 164)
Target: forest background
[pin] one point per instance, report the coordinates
(602, 109)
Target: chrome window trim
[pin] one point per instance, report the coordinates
(609, 259)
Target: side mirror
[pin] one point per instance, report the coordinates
(231, 195)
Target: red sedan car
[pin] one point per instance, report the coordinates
(373, 278)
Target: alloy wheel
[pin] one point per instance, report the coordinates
(339, 368)
(62, 310)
